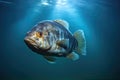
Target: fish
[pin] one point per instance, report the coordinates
(52, 39)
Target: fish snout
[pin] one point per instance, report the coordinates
(30, 41)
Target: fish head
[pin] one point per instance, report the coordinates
(38, 39)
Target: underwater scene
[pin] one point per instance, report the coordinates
(59, 40)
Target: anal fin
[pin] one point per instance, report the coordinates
(73, 56)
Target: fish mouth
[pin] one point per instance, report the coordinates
(33, 43)
(30, 42)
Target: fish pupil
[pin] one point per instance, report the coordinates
(40, 33)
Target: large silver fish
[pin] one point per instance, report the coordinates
(52, 38)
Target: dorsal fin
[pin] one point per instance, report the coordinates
(62, 22)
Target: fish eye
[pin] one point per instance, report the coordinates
(40, 33)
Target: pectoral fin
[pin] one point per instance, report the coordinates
(50, 59)
(73, 56)
(63, 43)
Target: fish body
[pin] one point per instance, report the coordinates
(52, 38)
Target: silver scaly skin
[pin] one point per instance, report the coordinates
(43, 39)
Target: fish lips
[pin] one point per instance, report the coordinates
(32, 44)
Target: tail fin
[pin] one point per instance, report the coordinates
(79, 35)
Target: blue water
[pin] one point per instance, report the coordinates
(100, 21)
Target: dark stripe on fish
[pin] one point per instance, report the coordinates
(67, 35)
